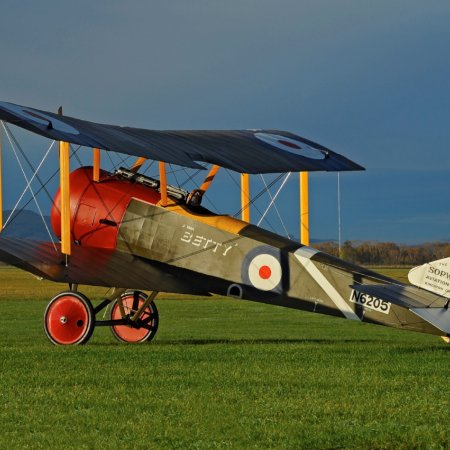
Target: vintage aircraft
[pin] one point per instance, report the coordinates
(134, 233)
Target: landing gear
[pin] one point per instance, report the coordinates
(69, 319)
(142, 314)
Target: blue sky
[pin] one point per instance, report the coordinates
(367, 79)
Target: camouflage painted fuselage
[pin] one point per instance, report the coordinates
(226, 256)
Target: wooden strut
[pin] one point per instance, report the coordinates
(138, 164)
(117, 294)
(147, 302)
(96, 166)
(195, 197)
(304, 209)
(245, 197)
(163, 183)
(209, 179)
(64, 173)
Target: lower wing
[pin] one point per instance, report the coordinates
(92, 266)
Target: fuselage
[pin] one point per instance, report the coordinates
(222, 255)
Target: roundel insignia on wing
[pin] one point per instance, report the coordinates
(290, 145)
(261, 269)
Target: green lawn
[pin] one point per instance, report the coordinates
(221, 373)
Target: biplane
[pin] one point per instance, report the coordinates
(135, 234)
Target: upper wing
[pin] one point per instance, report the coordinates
(91, 266)
(247, 151)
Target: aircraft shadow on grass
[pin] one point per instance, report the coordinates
(199, 342)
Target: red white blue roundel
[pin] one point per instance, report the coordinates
(261, 269)
(290, 145)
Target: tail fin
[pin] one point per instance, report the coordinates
(433, 276)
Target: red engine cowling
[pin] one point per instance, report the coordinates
(97, 208)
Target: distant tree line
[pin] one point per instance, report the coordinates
(386, 253)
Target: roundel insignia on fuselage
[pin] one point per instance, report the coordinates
(262, 269)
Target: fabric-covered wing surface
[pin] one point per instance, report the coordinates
(249, 151)
(90, 266)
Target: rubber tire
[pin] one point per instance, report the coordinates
(149, 335)
(88, 309)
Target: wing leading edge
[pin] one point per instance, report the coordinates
(246, 151)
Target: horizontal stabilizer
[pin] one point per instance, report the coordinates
(247, 151)
(403, 295)
(439, 317)
(433, 276)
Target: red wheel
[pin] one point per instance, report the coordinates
(69, 319)
(147, 323)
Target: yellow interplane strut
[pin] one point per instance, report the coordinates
(209, 179)
(245, 197)
(96, 168)
(64, 172)
(304, 209)
(138, 164)
(163, 183)
(195, 197)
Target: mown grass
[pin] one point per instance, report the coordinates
(221, 373)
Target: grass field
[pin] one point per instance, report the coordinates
(221, 373)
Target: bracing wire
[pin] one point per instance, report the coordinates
(259, 194)
(339, 212)
(30, 189)
(123, 161)
(269, 224)
(149, 166)
(190, 177)
(110, 159)
(273, 201)
(13, 138)
(28, 186)
(173, 172)
(46, 183)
